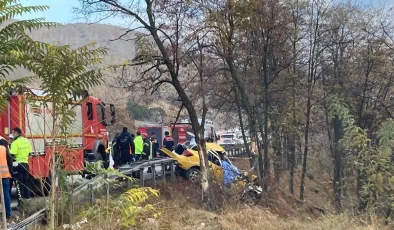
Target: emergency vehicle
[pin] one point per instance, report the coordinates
(179, 131)
(159, 130)
(87, 137)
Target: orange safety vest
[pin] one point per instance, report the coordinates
(5, 172)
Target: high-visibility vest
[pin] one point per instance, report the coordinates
(5, 172)
(21, 148)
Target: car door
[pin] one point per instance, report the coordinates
(216, 166)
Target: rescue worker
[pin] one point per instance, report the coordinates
(115, 152)
(6, 172)
(168, 142)
(155, 145)
(125, 146)
(20, 150)
(11, 139)
(148, 147)
(230, 172)
(139, 146)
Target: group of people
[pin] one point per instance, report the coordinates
(128, 147)
(14, 159)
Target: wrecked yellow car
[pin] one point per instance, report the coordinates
(189, 161)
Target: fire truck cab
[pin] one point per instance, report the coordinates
(84, 141)
(179, 131)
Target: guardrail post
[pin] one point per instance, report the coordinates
(129, 183)
(172, 171)
(107, 184)
(153, 167)
(163, 171)
(142, 177)
(90, 189)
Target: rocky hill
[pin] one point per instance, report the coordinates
(79, 34)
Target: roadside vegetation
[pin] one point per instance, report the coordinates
(311, 79)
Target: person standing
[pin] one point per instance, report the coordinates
(230, 172)
(255, 155)
(139, 146)
(21, 149)
(155, 144)
(168, 141)
(124, 145)
(148, 147)
(115, 152)
(6, 172)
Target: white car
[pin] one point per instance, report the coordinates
(227, 140)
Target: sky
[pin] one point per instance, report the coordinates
(61, 11)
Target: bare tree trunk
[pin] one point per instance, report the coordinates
(291, 148)
(53, 169)
(278, 157)
(337, 162)
(306, 140)
(241, 124)
(206, 175)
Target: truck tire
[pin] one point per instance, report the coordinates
(193, 174)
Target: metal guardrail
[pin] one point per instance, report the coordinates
(127, 169)
(236, 152)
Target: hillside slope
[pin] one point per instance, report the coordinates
(80, 34)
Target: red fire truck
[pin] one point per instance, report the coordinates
(87, 137)
(178, 131)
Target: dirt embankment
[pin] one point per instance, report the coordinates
(180, 207)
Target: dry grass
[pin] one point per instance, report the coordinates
(180, 208)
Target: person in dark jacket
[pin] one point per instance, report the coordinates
(125, 146)
(155, 144)
(168, 142)
(115, 152)
(147, 149)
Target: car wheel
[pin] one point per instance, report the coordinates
(193, 174)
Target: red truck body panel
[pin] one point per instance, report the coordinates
(34, 122)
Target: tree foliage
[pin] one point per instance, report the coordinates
(65, 74)
(311, 79)
(13, 37)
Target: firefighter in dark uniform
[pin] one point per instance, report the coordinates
(168, 142)
(147, 150)
(148, 147)
(155, 144)
(115, 152)
(125, 146)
